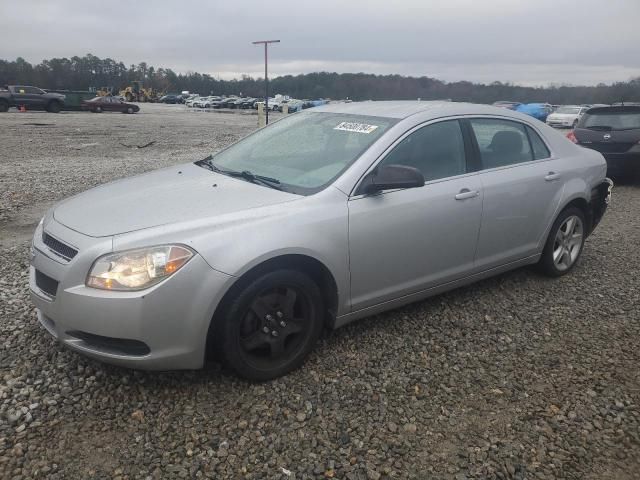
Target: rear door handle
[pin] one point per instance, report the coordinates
(465, 193)
(551, 176)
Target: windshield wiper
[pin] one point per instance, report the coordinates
(245, 174)
(253, 178)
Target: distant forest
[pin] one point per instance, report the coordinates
(82, 73)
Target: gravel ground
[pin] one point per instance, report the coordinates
(517, 377)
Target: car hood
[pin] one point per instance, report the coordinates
(176, 194)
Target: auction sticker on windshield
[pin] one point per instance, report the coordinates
(355, 127)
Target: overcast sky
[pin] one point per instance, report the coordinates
(530, 42)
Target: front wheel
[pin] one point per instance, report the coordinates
(129, 110)
(565, 243)
(4, 106)
(270, 325)
(54, 107)
(98, 110)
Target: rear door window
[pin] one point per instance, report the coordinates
(501, 142)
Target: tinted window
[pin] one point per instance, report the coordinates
(611, 119)
(540, 150)
(436, 150)
(501, 142)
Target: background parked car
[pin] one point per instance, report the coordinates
(536, 110)
(33, 98)
(566, 116)
(170, 99)
(191, 100)
(614, 131)
(109, 104)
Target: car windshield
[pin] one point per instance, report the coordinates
(620, 120)
(304, 151)
(572, 110)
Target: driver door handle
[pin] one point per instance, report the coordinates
(465, 193)
(551, 176)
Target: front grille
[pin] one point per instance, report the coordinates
(47, 284)
(609, 147)
(118, 346)
(59, 248)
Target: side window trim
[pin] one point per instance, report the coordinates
(533, 153)
(472, 150)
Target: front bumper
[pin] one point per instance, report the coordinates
(164, 327)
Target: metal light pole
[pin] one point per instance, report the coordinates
(266, 79)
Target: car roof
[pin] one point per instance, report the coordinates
(401, 109)
(615, 109)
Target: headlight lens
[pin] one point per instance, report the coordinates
(137, 269)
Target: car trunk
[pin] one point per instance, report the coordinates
(608, 141)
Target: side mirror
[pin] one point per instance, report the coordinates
(391, 177)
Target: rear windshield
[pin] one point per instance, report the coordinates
(611, 120)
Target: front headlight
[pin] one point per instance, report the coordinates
(137, 269)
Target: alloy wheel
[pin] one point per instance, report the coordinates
(568, 243)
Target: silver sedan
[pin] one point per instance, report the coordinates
(322, 218)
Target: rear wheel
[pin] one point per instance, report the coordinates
(575, 124)
(565, 243)
(270, 326)
(98, 110)
(4, 106)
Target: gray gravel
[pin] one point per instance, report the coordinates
(517, 377)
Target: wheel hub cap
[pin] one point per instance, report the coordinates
(568, 243)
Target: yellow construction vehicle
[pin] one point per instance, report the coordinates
(102, 91)
(137, 93)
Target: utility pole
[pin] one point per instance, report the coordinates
(266, 78)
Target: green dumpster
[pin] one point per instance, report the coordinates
(74, 98)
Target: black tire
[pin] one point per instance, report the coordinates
(54, 107)
(243, 331)
(129, 110)
(547, 265)
(97, 110)
(575, 124)
(4, 106)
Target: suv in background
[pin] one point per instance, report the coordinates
(566, 116)
(615, 133)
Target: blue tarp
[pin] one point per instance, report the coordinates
(537, 110)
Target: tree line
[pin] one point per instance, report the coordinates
(83, 73)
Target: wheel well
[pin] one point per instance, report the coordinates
(583, 205)
(318, 272)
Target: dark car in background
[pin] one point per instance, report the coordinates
(109, 104)
(614, 131)
(171, 99)
(31, 98)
